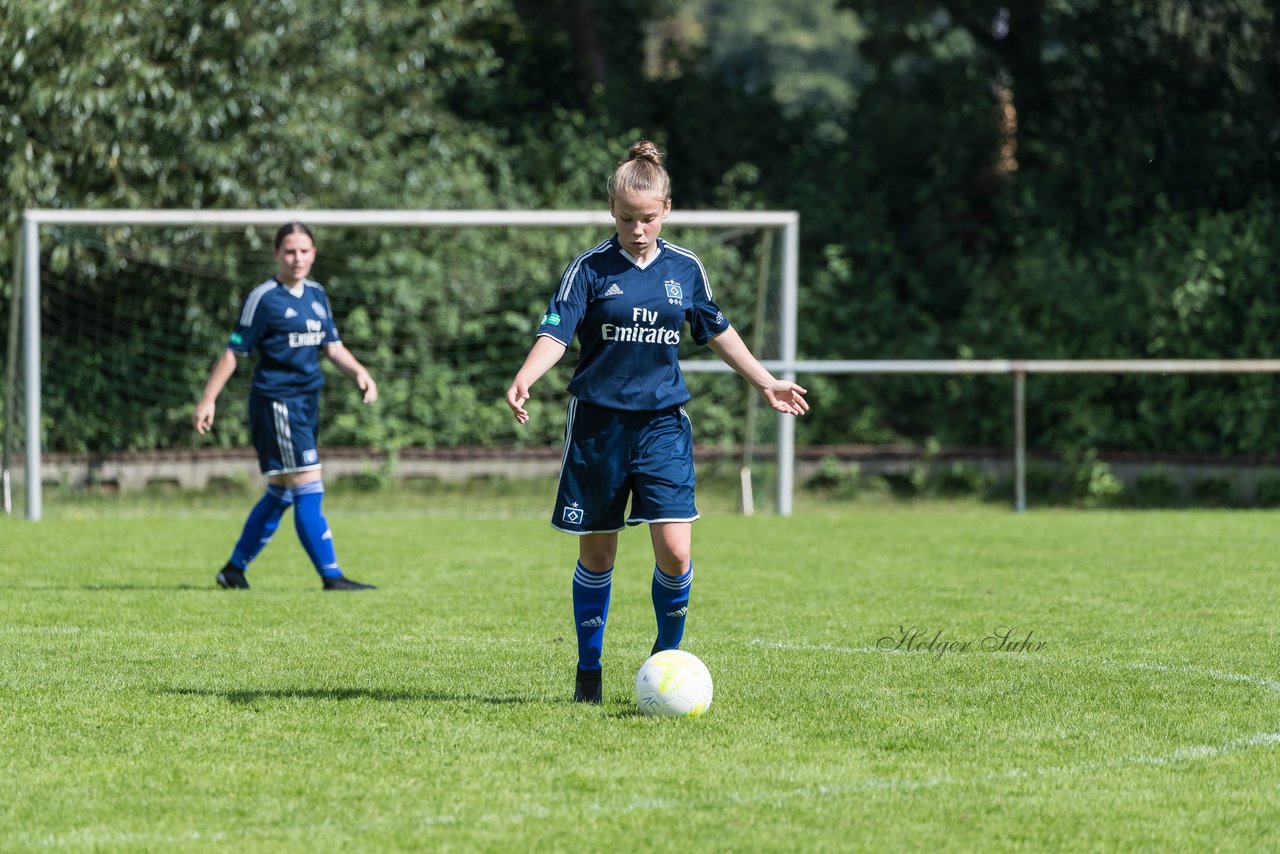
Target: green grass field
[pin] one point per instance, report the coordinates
(144, 709)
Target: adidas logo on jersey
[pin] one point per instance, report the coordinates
(593, 623)
(614, 291)
(679, 613)
(289, 312)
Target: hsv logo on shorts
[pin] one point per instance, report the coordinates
(572, 514)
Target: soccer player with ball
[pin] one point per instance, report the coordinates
(627, 435)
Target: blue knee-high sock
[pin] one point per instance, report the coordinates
(590, 610)
(670, 604)
(313, 529)
(263, 520)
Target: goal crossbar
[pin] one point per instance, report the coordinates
(786, 221)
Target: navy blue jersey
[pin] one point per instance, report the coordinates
(628, 320)
(288, 332)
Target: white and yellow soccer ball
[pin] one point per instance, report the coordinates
(673, 684)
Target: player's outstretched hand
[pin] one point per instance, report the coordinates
(516, 397)
(786, 397)
(202, 419)
(368, 386)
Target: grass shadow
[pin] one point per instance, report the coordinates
(114, 588)
(151, 588)
(250, 696)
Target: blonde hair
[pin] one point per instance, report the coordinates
(642, 173)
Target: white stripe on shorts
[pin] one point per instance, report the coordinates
(570, 414)
(284, 437)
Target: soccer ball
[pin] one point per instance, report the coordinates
(673, 684)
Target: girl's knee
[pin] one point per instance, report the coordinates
(597, 553)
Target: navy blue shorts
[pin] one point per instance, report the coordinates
(612, 455)
(284, 432)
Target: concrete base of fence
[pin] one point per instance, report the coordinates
(199, 470)
(1180, 476)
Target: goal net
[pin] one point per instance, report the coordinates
(132, 308)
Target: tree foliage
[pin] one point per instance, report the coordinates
(975, 179)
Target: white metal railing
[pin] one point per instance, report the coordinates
(1019, 368)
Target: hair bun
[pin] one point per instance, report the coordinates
(645, 150)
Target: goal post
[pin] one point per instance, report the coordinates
(34, 219)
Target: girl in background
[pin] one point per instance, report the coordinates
(288, 321)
